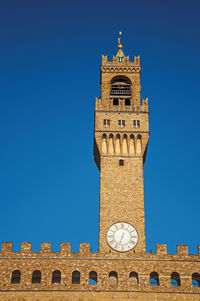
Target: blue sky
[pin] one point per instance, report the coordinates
(50, 58)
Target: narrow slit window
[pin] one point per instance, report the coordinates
(136, 123)
(121, 162)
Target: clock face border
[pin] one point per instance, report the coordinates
(120, 251)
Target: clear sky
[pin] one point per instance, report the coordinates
(50, 56)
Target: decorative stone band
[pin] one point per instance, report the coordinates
(121, 145)
(121, 69)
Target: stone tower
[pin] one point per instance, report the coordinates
(120, 145)
(122, 269)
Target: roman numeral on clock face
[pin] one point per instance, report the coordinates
(122, 237)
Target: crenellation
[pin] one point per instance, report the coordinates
(97, 103)
(161, 249)
(26, 247)
(137, 60)
(6, 248)
(104, 59)
(65, 249)
(145, 105)
(115, 62)
(114, 59)
(45, 247)
(182, 249)
(84, 249)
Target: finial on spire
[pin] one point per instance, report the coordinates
(120, 53)
(119, 40)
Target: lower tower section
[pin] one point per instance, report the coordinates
(121, 204)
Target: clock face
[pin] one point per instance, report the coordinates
(122, 237)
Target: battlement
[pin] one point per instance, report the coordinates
(28, 271)
(115, 61)
(45, 250)
(182, 250)
(133, 106)
(65, 251)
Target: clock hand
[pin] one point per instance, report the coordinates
(122, 237)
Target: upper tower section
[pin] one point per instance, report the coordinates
(120, 84)
(120, 113)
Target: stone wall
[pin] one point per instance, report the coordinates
(102, 263)
(96, 296)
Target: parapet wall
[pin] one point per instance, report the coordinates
(131, 62)
(135, 106)
(65, 251)
(113, 272)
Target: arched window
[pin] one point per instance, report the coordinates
(93, 277)
(120, 86)
(154, 278)
(175, 279)
(196, 280)
(75, 277)
(16, 277)
(36, 277)
(56, 277)
(133, 278)
(113, 278)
